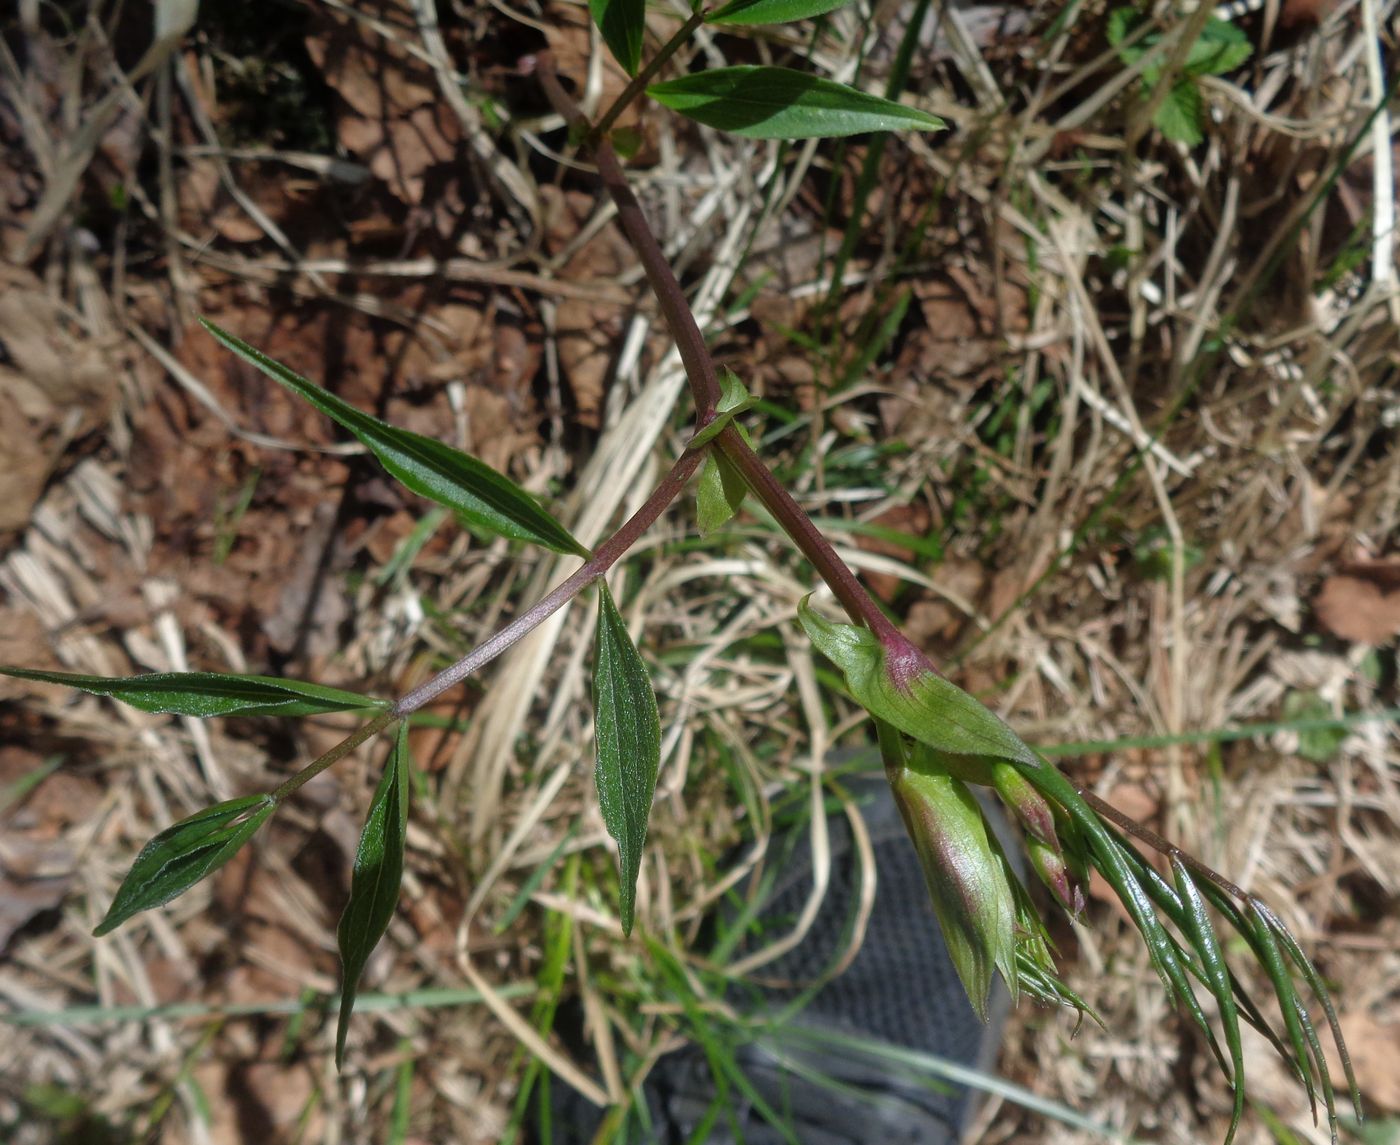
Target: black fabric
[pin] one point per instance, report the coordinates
(901, 989)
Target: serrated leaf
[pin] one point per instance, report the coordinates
(1120, 22)
(623, 24)
(779, 103)
(430, 468)
(207, 694)
(628, 730)
(1178, 117)
(718, 494)
(1221, 48)
(750, 12)
(184, 853)
(375, 882)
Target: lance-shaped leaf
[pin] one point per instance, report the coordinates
(184, 853)
(749, 12)
(206, 694)
(623, 24)
(779, 103)
(374, 885)
(430, 468)
(1319, 988)
(628, 730)
(1200, 932)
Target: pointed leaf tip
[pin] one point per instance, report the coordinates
(207, 694)
(430, 468)
(623, 24)
(754, 12)
(627, 727)
(185, 853)
(780, 103)
(375, 883)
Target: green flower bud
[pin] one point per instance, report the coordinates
(1049, 863)
(966, 875)
(1031, 809)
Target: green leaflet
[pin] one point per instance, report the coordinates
(734, 399)
(750, 12)
(1220, 48)
(718, 494)
(779, 103)
(184, 853)
(430, 468)
(623, 24)
(627, 727)
(206, 694)
(374, 885)
(1178, 117)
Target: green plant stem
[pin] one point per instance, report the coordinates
(604, 558)
(847, 589)
(336, 754)
(644, 77)
(704, 385)
(690, 343)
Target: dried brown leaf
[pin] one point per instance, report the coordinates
(1362, 602)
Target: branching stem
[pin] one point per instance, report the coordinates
(645, 76)
(336, 754)
(603, 559)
